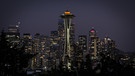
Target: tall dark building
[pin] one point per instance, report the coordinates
(80, 50)
(61, 32)
(109, 47)
(55, 53)
(82, 39)
(13, 34)
(61, 35)
(27, 41)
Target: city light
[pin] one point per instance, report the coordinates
(61, 52)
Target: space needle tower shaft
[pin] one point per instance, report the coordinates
(67, 17)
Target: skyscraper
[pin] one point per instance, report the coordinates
(81, 50)
(13, 34)
(93, 43)
(82, 39)
(109, 47)
(67, 17)
(27, 41)
(55, 49)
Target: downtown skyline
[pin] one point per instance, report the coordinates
(114, 19)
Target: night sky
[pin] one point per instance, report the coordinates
(114, 18)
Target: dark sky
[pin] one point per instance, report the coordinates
(115, 18)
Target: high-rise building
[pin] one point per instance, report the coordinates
(42, 48)
(27, 41)
(72, 34)
(61, 32)
(13, 34)
(68, 52)
(109, 47)
(47, 50)
(93, 43)
(61, 35)
(36, 49)
(55, 53)
(39, 42)
(81, 50)
(82, 39)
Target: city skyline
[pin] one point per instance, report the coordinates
(114, 19)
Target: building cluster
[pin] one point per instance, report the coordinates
(61, 47)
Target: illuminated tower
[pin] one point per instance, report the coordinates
(93, 43)
(67, 17)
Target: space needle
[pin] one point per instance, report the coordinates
(67, 17)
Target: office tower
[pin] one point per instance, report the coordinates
(61, 28)
(93, 43)
(39, 48)
(109, 47)
(13, 34)
(46, 60)
(82, 39)
(68, 54)
(61, 35)
(27, 42)
(55, 49)
(42, 49)
(36, 49)
(81, 50)
(72, 34)
(43, 46)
